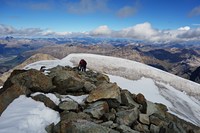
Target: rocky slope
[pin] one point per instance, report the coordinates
(107, 108)
(34, 58)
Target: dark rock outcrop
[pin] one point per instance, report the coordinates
(195, 75)
(47, 101)
(32, 79)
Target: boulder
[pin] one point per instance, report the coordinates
(97, 109)
(88, 87)
(66, 81)
(141, 128)
(154, 128)
(109, 124)
(67, 116)
(141, 100)
(151, 108)
(68, 105)
(127, 99)
(31, 79)
(9, 94)
(84, 126)
(127, 117)
(109, 116)
(105, 91)
(156, 120)
(126, 129)
(102, 78)
(144, 118)
(47, 101)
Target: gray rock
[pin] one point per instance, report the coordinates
(47, 101)
(88, 87)
(127, 99)
(154, 128)
(97, 109)
(109, 116)
(109, 124)
(126, 129)
(105, 91)
(68, 105)
(72, 116)
(144, 118)
(84, 126)
(174, 128)
(154, 119)
(141, 128)
(127, 117)
(151, 108)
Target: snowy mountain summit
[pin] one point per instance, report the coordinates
(143, 99)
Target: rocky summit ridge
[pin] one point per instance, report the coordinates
(107, 108)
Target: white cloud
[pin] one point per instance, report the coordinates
(195, 11)
(184, 28)
(193, 34)
(126, 11)
(101, 30)
(139, 31)
(86, 6)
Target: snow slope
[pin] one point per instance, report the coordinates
(181, 96)
(24, 115)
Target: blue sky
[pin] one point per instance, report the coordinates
(87, 15)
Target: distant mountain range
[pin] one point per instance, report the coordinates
(179, 59)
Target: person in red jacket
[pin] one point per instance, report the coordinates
(82, 65)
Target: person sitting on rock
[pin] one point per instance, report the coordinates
(82, 65)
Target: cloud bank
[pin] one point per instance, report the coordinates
(144, 32)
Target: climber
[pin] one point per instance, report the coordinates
(42, 68)
(82, 65)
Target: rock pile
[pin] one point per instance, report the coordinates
(107, 108)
